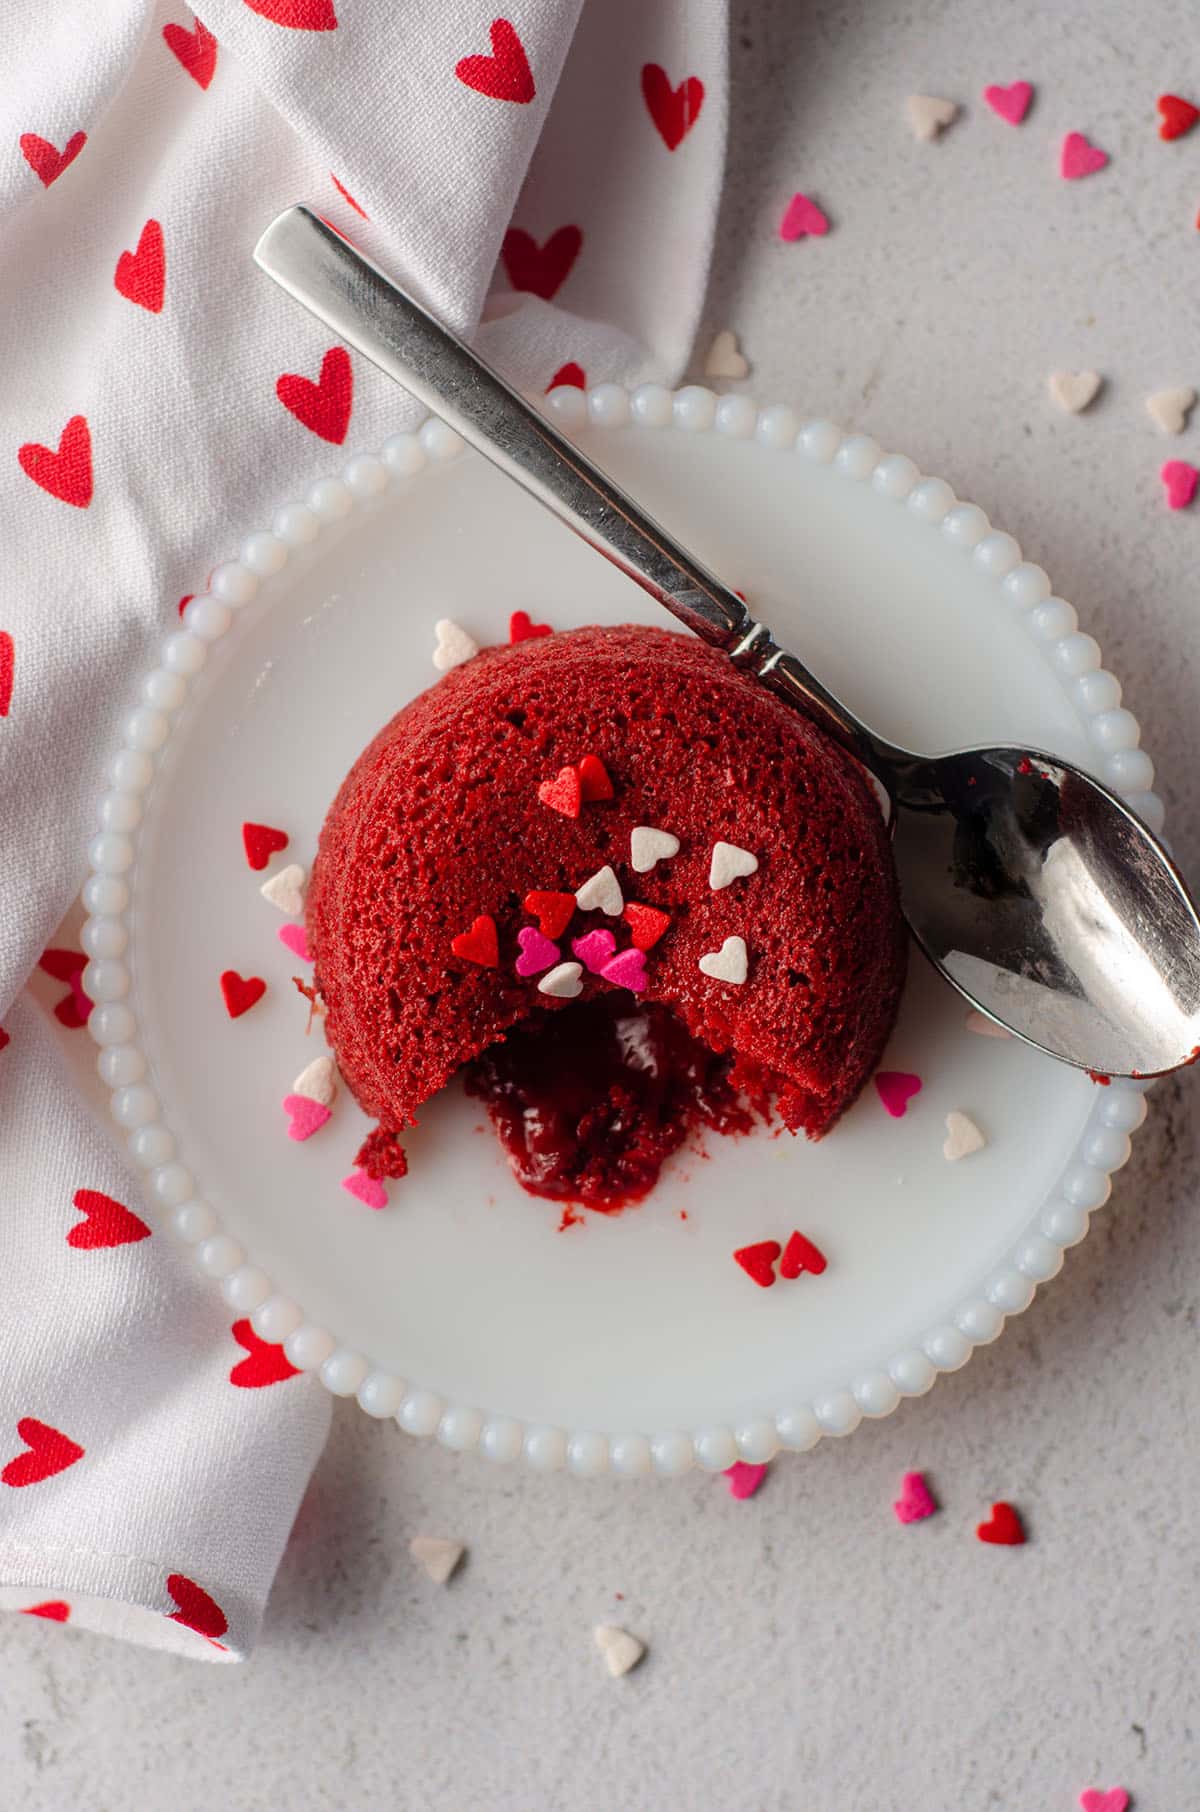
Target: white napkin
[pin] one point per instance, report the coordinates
(152, 1457)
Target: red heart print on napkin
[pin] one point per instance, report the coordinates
(196, 50)
(673, 110)
(197, 1611)
(67, 473)
(108, 1222)
(8, 668)
(45, 160)
(49, 1452)
(540, 270)
(323, 407)
(141, 276)
(505, 75)
(266, 1363)
(297, 15)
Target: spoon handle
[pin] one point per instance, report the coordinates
(365, 308)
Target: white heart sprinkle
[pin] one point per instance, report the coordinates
(984, 1027)
(724, 358)
(648, 846)
(621, 1651)
(1169, 409)
(1074, 390)
(454, 645)
(602, 893)
(286, 890)
(928, 114)
(438, 1556)
(562, 981)
(728, 964)
(729, 863)
(962, 1137)
(318, 1081)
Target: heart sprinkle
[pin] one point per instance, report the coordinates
(1169, 409)
(537, 952)
(1011, 103)
(1096, 1799)
(1178, 116)
(758, 1261)
(743, 1479)
(595, 949)
(601, 892)
(564, 793)
(369, 1190)
(928, 115)
(983, 1027)
(240, 993)
(437, 1555)
(801, 1255)
(728, 964)
(729, 863)
(318, 1081)
(648, 847)
(522, 628)
(562, 983)
(646, 924)
(1074, 390)
(572, 374)
(261, 842)
(915, 1501)
(962, 1137)
(454, 645)
(306, 1116)
(621, 1651)
(295, 939)
(594, 783)
(896, 1089)
(286, 890)
(553, 911)
(480, 944)
(1079, 157)
(1180, 481)
(627, 970)
(1003, 1528)
(724, 359)
(802, 218)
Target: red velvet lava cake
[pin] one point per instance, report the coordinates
(624, 888)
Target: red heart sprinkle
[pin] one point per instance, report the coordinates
(67, 473)
(896, 1089)
(673, 110)
(197, 51)
(45, 160)
(108, 1223)
(323, 407)
(564, 793)
(141, 276)
(1178, 116)
(570, 373)
(49, 1452)
(553, 911)
(594, 783)
(8, 663)
(261, 842)
(74, 1008)
(5, 1039)
(521, 627)
(54, 1610)
(505, 75)
(267, 1363)
(241, 992)
(801, 1255)
(646, 924)
(540, 270)
(1003, 1527)
(297, 15)
(758, 1261)
(480, 944)
(197, 1611)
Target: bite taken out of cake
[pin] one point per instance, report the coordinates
(627, 886)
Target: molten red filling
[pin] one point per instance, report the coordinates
(589, 1103)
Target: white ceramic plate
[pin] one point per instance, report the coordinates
(633, 1341)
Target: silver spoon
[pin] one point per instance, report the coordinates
(1034, 890)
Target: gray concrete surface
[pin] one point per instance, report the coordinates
(806, 1654)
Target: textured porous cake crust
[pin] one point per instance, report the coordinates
(439, 821)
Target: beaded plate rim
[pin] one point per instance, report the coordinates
(1036, 1257)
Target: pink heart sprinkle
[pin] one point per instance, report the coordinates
(595, 949)
(307, 1116)
(896, 1089)
(627, 970)
(295, 938)
(915, 1501)
(369, 1190)
(1079, 158)
(537, 952)
(801, 217)
(744, 1480)
(1011, 103)
(1094, 1799)
(1180, 480)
